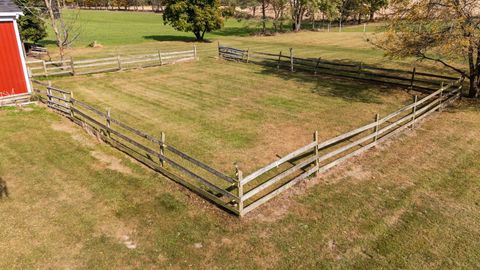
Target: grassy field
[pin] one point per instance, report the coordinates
(109, 28)
(223, 112)
(78, 204)
(75, 203)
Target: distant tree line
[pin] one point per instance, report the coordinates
(278, 12)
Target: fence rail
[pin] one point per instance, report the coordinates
(108, 64)
(241, 195)
(411, 79)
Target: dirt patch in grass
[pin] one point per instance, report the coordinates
(76, 133)
(110, 162)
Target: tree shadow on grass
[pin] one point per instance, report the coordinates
(335, 85)
(236, 31)
(170, 38)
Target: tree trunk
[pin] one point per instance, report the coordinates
(372, 16)
(264, 17)
(198, 35)
(473, 92)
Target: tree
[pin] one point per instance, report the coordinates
(278, 7)
(373, 6)
(443, 31)
(297, 9)
(65, 30)
(32, 28)
(197, 16)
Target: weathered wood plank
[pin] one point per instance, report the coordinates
(276, 192)
(277, 163)
(278, 177)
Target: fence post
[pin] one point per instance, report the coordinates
(162, 148)
(72, 65)
(291, 59)
(195, 52)
(44, 68)
(239, 175)
(441, 97)
(317, 156)
(360, 68)
(415, 99)
(71, 105)
(219, 54)
(119, 62)
(364, 27)
(49, 94)
(279, 59)
(248, 55)
(316, 66)
(108, 122)
(412, 80)
(377, 119)
(160, 57)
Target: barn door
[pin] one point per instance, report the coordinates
(12, 76)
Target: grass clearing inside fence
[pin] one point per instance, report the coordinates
(224, 112)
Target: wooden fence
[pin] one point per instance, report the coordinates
(239, 194)
(109, 64)
(411, 79)
(152, 151)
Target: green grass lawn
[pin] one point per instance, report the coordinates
(78, 204)
(109, 28)
(75, 203)
(223, 112)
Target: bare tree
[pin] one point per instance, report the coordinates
(65, 31)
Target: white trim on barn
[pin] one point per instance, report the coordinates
(22, 58)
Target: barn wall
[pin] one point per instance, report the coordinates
(12, 76)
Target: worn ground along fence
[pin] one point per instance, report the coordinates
(97, 65)
(242, 194)
(412, 79)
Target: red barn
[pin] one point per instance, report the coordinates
(14, 79)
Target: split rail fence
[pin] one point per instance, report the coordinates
(241, 194)
(109, 64)
(411, 79)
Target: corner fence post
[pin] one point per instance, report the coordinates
(239, 175)
(317, 156)
(162, 149)
(414, 113)
(108, 122)
(291, 59)
(377, 120)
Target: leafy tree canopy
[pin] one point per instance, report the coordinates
(444, 31)
(197, 16)
(32, 27)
